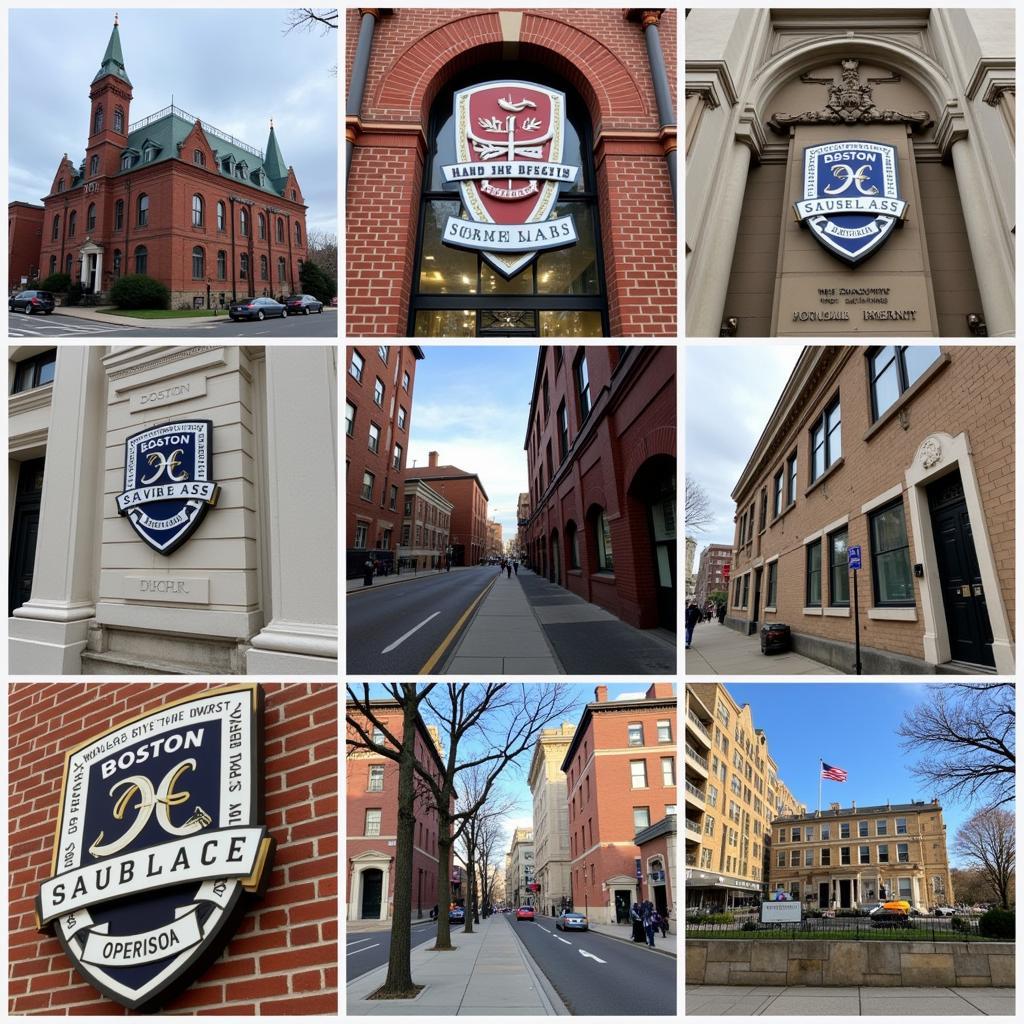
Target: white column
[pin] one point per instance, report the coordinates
(302, 515)
(85, 270)
(99, 273)
(48, 633)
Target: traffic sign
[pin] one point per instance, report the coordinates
(853, 554)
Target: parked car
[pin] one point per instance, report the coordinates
(31, 301)
(457, 915)
(305, 304)
(944, 911)
(256, 309)
(524, 914)
(569, 919)
(775, 636)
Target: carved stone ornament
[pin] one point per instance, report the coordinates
(849, 102)
(931, 452)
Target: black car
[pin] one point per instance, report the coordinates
(775, 637)
(31, 302)
(304, 304)
(457, 915)
(256, 309)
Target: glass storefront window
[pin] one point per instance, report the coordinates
(573, 270)
(443, 269)
(570, 324)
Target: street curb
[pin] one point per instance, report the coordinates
(457, 642)
(619, 938)
(388, 582)
(544, 987)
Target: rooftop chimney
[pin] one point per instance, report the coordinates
(432, 460)
(600, 694)
(657, 690)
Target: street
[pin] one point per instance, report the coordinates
(366, 950)
(60, 326)
(599, 975)
(399, 627)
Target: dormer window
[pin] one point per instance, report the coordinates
(147, 154)
(60, 184)
(198, 158)
(126, 161)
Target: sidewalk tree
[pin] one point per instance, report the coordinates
(965, 732)
(986, 841)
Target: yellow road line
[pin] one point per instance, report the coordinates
(436, 656)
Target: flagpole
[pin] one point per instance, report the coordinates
(820, 762)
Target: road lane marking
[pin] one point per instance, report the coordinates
(543, 929)
(365, 948)
(583, 952)
(560, 939)
(356, 942)
(443, 646)
(405, 636)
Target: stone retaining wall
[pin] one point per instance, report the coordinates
(836, 962)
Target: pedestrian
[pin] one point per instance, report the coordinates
(515, 565)
(721, 614)
(663, 924)
(368, 572)
(692, 615)
(508, 569)
(647, 917)
(433, 913)
(637, 922)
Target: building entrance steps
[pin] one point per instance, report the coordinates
(719, 650)
(488, 972)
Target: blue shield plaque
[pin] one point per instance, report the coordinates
(851, 197)
(168, 484)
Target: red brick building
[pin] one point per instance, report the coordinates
(713, 572)
(620, 779)
(371, 801)
(601, 452)
(657, 846)
(378, 416)
(468, 532)
(618, 279)
(209, 216)
(283, 958)
(24, 237)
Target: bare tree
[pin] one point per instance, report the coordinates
(307, 18)
(987, 840)
(698, 514)
(322, 249)
(965, 734)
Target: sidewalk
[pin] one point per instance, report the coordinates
(665, 945)
(489, 973)
(504, 637)
(815, 1001)
(405, 577)
(719, 650)
(164, 323)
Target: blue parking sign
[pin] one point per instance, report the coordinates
(853, 554)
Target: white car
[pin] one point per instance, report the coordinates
(944, 911)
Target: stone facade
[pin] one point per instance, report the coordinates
(426, 523)
(519, 869)
(551, 817)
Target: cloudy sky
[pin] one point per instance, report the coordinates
(235, 69)
(730, 393)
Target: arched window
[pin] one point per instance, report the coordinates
(119, 215)
(72, 223)
(198, 263)
(118, 120)
(53, 264)
(140, 259)
(293, 195)
(97, 121)
(298, 234)
(94, 165)
(262, 226)
(220, 216)
(243, 222)
(281, 266)
(459, 293)
(117, 262)
(143, 208)
(55, 233)
(602, 534)
(243, 266)
(199, 157)
(222, 265)
(60, 184)
(90, 218)
(280, 230)
(263, 268)
(197, 209)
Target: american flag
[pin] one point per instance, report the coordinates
(830, 771)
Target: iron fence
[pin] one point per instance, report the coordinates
(747, 926)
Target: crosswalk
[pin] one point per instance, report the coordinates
(21, 326)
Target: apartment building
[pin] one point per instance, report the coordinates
(551, 817)
(732, 794)
(425, 526)
(905, 451)
(468, 521)
(713, 572)
(519, 868)
(845, 858)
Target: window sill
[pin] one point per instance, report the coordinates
(839, 613)
(771, 608)
(824, 476)
(893, 614)
(937, 367)
(603, 576)
(782, 514)
(812, 611)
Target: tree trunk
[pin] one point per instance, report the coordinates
(399, 983)
(470, 885)
(444, 883)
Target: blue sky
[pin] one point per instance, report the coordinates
(471, 404)
(852, 726)
(233, 68)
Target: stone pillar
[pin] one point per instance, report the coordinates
(302, 515)
(99, 273)
(84, 278)
(48, 633)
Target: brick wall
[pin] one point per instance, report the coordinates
(23, 242)
(283, 958)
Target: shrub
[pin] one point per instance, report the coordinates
(696, 918)
(721, 918)
(315, 281)
(960, 924)
(997, 924)
(137, 291)
(749, 926)
(56, 283)
(75, 294)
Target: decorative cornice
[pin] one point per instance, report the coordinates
(996, 88)
(706, 77)
(35, 398)
(668, 138)
(951, 127)
(989, 68)
(751, 133)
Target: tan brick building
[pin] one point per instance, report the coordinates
(621, 777)
(519, 868)
(426, 522)
(908, 453)
(732, 794)
(551, 817)
(851, 857)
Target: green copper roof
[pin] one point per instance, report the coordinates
(165, 134)
(274, 163)
(113, 60)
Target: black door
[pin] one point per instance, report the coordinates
(373, 881)
(823, 903)
(622, 905)
(24, 533)
(963, 594)
(757, 596)
(844, 893)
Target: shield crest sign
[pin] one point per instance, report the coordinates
(159, 838)
(509, 138)
(851, 200)
(168, 483)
